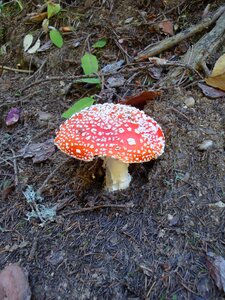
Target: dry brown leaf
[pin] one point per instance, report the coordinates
(38, 151)
(167, 27)
(66, 29)
(140, 99)
(217, 81)
(36, 18)
(217, 78)
(211, 92)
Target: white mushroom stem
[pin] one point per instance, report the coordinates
(117, 175)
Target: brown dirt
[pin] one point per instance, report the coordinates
(156, 247)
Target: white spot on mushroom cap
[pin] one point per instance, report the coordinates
(131, 141)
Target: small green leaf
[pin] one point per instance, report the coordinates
(20, 4)
(89, 63)
(100, 44)
(56, 38)
(78, 106)
(90, 80)
(53, 9)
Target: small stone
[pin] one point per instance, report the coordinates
(129, 20)
(161, 233)
(169, 217)
(44, 116)
(116, 81)
(56, 258)
(205, 145)
(189, 101)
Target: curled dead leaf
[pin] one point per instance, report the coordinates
(141, 99)
(217, 78)
(39, 151)
(36, 18)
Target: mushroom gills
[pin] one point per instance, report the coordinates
(117, 175)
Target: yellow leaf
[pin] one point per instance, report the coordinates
(219, 67)
(217, 81)
(217, 78)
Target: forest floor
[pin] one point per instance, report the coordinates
(161, 237)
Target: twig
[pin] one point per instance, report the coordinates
(24, 99)
(64, 203)
(16, 70)
(119, 206)
(77, 77)
(175, 40)
(15, 168)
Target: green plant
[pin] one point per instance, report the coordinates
(100, 43)
(78, 106)
(31, 45)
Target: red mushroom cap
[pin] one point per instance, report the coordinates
(115, 130)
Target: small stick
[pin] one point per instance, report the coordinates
(76, 77)
(16, 70)
(98, 207)
(175, 40)
(15, 168)
(24, 99)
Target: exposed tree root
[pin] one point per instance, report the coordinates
(198, 54)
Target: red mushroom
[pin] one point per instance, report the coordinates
(119, 134)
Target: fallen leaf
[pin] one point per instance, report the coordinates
(166, 27)
(67, 29)
(217, 78)
(36, 18)
(12, 116)
(217, 81)
(116, 81)
(113, 67)
(39, 151)
(216, 266)
(141, 99)
(14, 283)
(56, 258)
(158, 61)
(45, 46)
(155, 72)
(100, 43)
(211, 92)
(35, 47)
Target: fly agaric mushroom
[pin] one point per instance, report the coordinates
(119, 134)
